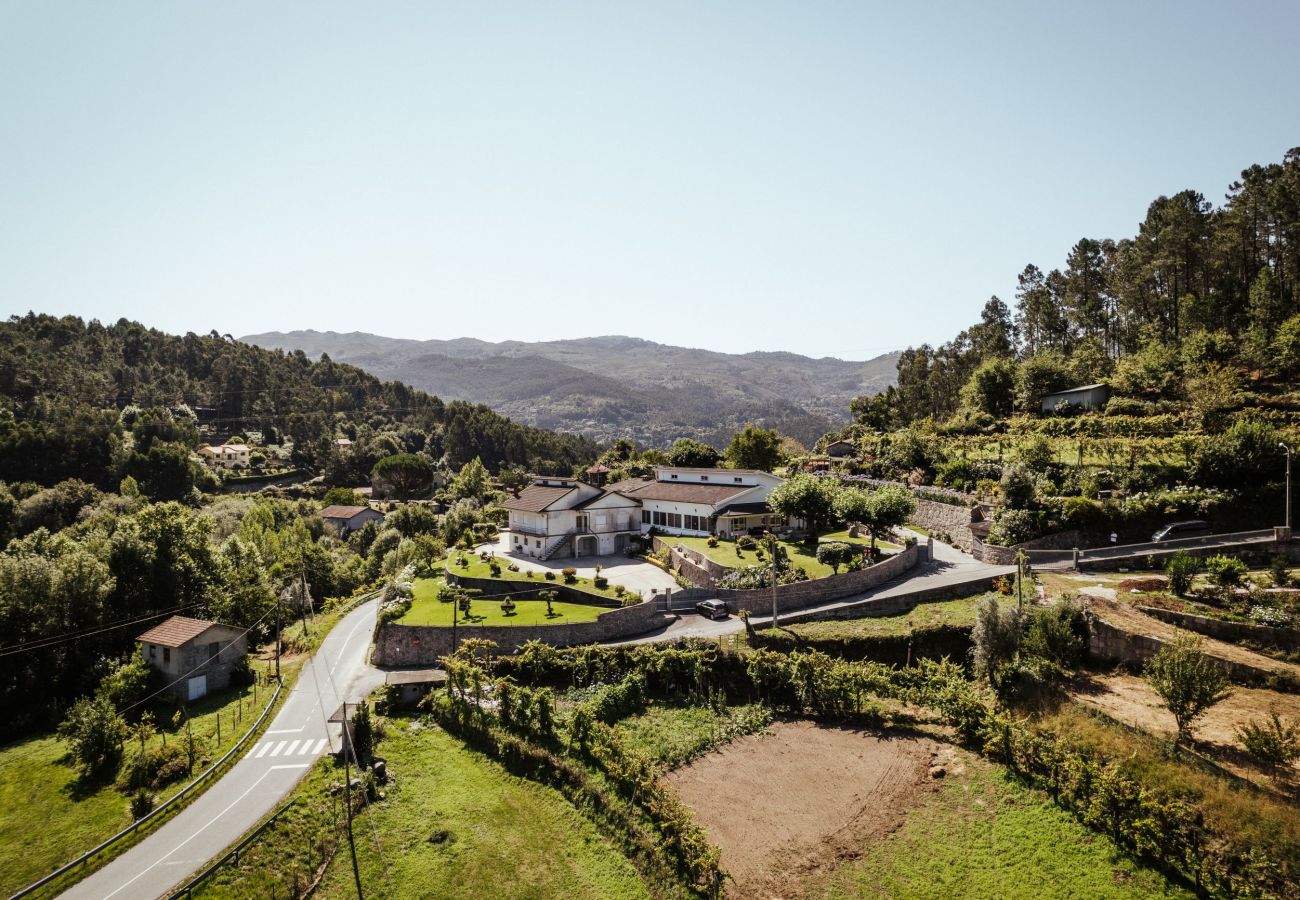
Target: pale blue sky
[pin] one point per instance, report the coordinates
(829, 178)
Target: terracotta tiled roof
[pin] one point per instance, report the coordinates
(342, 512)
(537, 497)
(687, 492)
(175, 631)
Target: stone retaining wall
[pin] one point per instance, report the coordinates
(423, 645)
(1233, 632)
(936, 517)
(822, 590)
(693, 565)
(1113, 644)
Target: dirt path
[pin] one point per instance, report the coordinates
(1129, 699)
(784, 805)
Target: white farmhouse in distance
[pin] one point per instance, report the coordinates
(227, 456)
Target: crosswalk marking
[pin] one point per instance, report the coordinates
(300, 747)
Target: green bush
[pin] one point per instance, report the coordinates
(1181, 570)
(1227, 571)
(570, 574)
(746, 542)
(1279, 570)
(141, 804)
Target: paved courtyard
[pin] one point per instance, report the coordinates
(634, 574)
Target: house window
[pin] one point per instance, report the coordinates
(674, 520)
(645, 517)
(539, 545)
(674, 477)
(153, 651)
(704, 478)
(167, 654)
(214, 649)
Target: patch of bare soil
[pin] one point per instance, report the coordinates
(790, 803)
(1129, 699)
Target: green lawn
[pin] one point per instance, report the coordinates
(843, 535)
(725, 553)
(50, 819)
(477, 568)
(982, 835)
(675, 735)
(453, 824)
(427, 609)
(949, 612)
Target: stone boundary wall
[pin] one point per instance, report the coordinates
(493, 587)
(1114, 644)
(1233, 632)
(422, 645)
(995, 555)
(822, 590)
(936, 517)
(1254, 552)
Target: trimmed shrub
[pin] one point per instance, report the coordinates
(570, 574)
(1228, 571)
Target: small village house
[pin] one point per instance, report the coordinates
(227, 456)
(194, 656)
(347, 519)
(841, 449)
(1090, 396)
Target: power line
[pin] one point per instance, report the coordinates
(53, 640)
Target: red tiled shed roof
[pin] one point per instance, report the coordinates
(175, 631)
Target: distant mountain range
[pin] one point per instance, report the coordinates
(611, 387)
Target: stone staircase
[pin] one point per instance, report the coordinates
(557, 546)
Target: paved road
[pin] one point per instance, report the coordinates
(949, 566)
(259, 781)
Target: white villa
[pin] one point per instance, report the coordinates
(229, 456)
(566, 517)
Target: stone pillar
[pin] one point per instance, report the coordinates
(1075, 558)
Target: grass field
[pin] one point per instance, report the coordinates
(454, 824)
(427, 609)
(925, 615)
(477, 568)
(981, 835)
(51, 818)
(726, 554)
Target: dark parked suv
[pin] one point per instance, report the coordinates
(1175, 530)
(712, 609)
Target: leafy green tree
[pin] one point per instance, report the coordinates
(408, 474)
(94, 733)
(1187, 681)
(1245, 454)
(1036, 453)
(470, 483)
(754, 447)
(1017, 486)
(694, 454)
(245, 594)
(1213, 393)
(808, 497)
(413, 518)
(992, 387)
(1056, 633)
(1286, 346)
(996, 637)
(342, 496)
(1038, 376)
(888, 507)
(363, 735)
(128, 683)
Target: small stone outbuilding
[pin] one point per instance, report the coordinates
(195, 656)
(346, 519)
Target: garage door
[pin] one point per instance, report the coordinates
(198, 686)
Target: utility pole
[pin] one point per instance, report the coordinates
(277, 640)
(347, 792)
(774, 561)
(1288, 484)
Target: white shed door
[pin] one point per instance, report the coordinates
(198, 686)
